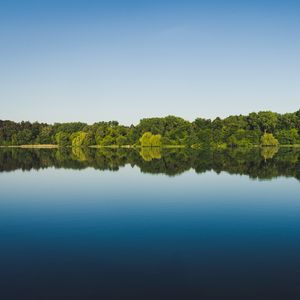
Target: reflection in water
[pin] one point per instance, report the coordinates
(122, 235)
(263, 163)
(268, 152)
(78, 154)
(149, 154)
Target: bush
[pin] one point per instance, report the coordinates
(268, 140)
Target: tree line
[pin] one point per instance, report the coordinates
(263, 128)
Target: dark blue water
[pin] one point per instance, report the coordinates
(91, 234)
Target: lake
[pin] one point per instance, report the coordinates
(149, 224)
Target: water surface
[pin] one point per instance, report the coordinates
(132, 224)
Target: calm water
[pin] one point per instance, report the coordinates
(100, 224)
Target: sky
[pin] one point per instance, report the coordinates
(92, 61)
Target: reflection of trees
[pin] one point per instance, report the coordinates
(79, 153)
(150, 153)
(256, 163)
(268, 152)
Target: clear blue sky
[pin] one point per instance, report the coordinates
(125, 60)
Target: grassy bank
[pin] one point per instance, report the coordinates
(41, 146)
(53, 146)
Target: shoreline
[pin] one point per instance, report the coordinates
(46, 146)
(53, 146)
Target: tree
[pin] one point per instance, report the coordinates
(239, 139)
(150, 140)
(155, 140)
(234, 131)
(267, 121)
(107, 141)
(145, 140)
(288, 137)
(269, 140)
(89, 140)
(121, 140)
(45, 135)
(23, 137)
(78, 138)
(63, 139)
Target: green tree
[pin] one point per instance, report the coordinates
(63, 139)
(269, 140)
(288, 137)
(107, 141)
(234, 131)
(89, 140)
(155, 140)
(121, 140)
(150, 140)
(267, 121)
(45, 135)
(145, 140)
(78, 138)
(23, 137)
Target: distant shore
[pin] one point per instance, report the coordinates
(41, 146)
(264, 128)
(53, 146)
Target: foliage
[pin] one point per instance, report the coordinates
(78, 138)
(63, 139)
(233, 132)
(288, 136)
(150, 140)
(269, 140)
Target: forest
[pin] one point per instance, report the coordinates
(264, 128)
